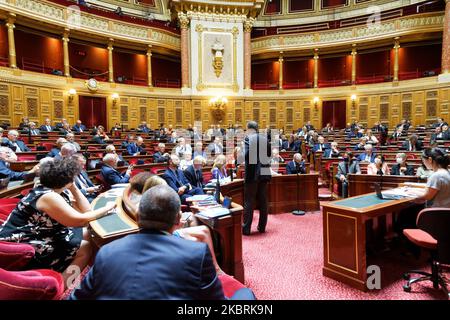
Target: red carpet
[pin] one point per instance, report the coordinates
(286, 263)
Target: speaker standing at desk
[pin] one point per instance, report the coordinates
(257, 175)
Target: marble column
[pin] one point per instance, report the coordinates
(65, 40)
(446, 40)
(184, 25)
(354, 53)
(396, 47)
(11, 43)
(110, 61)
(149, 66)
(316, 68)
(280, 73)
(248, 24)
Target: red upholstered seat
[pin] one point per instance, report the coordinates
(14, 256)
(30, 285)
(24, 192)
(230, 285)
(47, 145)
(6, 206)
(136, 171)
(26, 158)
(99, 178)
(207, 176)
(156, 169)
(421, 238)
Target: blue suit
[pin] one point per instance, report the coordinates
(317, 147)
(296, 146)
(291, 168)
(327, 154)
(44, 128)
(8, 143)
(6, 172)
(151, 265)
(79, 128)
(53, 153)
(112, 176)
(363, 156)
(176, 179)
(89, 184)
(133, 148)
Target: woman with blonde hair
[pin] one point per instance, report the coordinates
(219, 169)
(153, 181)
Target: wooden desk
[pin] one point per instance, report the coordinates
(359, 184)
(344, 235)
(282, 193)
(228, 229)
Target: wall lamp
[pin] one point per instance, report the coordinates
(72, 93)
(353, 99)
(115, 98)
(316, 101)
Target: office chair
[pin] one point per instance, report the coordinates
(433, 235)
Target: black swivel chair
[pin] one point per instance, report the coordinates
(433, 235)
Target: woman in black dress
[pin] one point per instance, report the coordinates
(52, 221)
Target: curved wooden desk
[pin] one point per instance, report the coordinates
(227, 231)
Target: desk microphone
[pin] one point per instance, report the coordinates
(298, 212)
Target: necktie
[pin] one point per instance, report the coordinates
(49, 128)
(216, 148)
(82, 182)
(199, 184)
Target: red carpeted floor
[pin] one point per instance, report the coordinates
(286, 263)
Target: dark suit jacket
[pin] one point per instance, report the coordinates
(193, 179)
(23, 148)
(343, 169)
(257, 164)
(212, 148)
(291, 168)
(53, 153)
(112, 176)
(406, 145)
(159, 266)
(175, 179)
(79, 128)
(133, 148)
(159, 158)
(324, 147)
(395, 170)
(44, 128)
(88, 181)
(328, 154)
(362, 157)
(98, 140)
(6, 172)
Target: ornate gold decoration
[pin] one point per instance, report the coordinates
(248, 25)
(58, 109)
(4, 105)
(218, 105)
(217, 63)
(32, 106)
(184, 20)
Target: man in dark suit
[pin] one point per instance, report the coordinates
(132, 147)
(79, 127)
(368, 155)
(345, 167)
(412, 144)
(7, 156)
(31, 129)
(176, 179)
(402, 168)
(440, 122)
(296, 166)
(321, 145)
(109, 172)
(332, 152)
(154, 264)
(161, 156)
(83, 182)
(258, 153)
(13, 143)
(309, 126)
(194, 173)
(47, 126)
(216, 147)
(143, 127)
(57, 149)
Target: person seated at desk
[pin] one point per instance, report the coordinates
(59, 125)
(379, 167)
(328, 128)
(179, 268)
(219, 169)
(296, 166)
(115, 130)
(186, 161)
(128, 139)
(182, 147)
(98, 137)
(83, 183)
(161, 135)
(52, 222)
(176, 179)
(79, 127)
(439, 123)
(110, 148)
(403, 125)
(198, 150)
(370, 138)
(24, 123)
(194, 174)
(6, 157)
(402, 168)
(361, 144)
(110, 173)
(445, 132)
(13, 143)
(276, 158)
(347, 166)
(172, 138)
(309, 126)
(135, 148)
(397, 135)
(320, 145)
(57, 149)
(70, 137)
(423, 172)
(161, 156)
(332, 152)
(412, 144)
(216, 147)
(143, 127)
(65, 129)
(47, 126)
(368, 156)
(355, 133)
(31, 129)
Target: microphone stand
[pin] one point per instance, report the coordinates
(298, 212)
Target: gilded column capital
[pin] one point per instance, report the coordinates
(316, 54)
(149, 50)
(248, 25)
(184, 20)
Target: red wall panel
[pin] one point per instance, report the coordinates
(265, 72)
(373, 64)
(298, 71)
(3, 42)
(166, 70)
(85, 58)
(335, 68)
(131, 66)
(420, 58)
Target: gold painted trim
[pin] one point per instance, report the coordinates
(356, 243)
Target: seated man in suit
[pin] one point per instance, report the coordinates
(56, 150)
(97, 138)
(320, 145)
(412, 144)
(440, 122)
(47, 126)
(7, 156)
(143, 127)
(161, 135)
(159, 265)
(70, 137)
(402, 168)
(83, 182)
(397, 134)
(437, 135)
(332, 152)
(176, 179)
(31, 129)
(194, 173)
(13, 143)
(445, 132)
(59, 125)
(309, 126)
(65, 129)
(348, 165)
(161, 156)
(132, 148)
(368, 155)
(110, 173)
(182, 147)
(110, 148)
(276, 157)
(24, 123)
(79, 127)
(296, 166)
(216, 147)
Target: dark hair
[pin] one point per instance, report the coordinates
(440, 157)
(137, 182)
(57, 173)
(252, 125)
(159, 208)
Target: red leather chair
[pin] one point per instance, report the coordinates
(31, 285)
(230, 285)
(432, 235)
(106, 185)
(14, 256)
(6, 206)
(48, 145)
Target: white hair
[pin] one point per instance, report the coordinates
(161, 145)
(13, 132)
(368, 147)
(68, 150)
(109, 157)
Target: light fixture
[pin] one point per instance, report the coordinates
(115, 97)
(316, 101)
(217, 105)
(353, 99)
(72, 92)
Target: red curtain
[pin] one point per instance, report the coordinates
(334, 112)
(92, 111)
